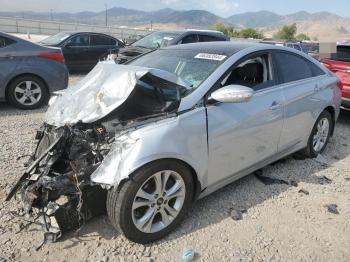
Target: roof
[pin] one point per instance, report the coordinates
(83, 32)
(219, 47)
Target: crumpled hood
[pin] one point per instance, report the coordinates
(103, 90)
(133, 51)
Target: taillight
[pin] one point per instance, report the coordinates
(53, 56)
(340, 85)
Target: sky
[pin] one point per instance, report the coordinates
(222, 8)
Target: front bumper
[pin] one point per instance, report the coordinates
(56, 186)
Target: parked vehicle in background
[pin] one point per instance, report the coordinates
(339, 64)
(82, 50)
(132, 39)
(29, 72)
(309, 48)
(167, 38)
(173, 126)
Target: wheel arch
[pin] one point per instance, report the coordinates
(331, 110)
(196, 182)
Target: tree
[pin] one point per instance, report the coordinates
(227, 30)
(251, 33)
(287, 32)
(303, 37)
(230, 31)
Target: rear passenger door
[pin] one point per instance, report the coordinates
(301, 82)
(8, 59)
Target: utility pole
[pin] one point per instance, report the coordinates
(51, 14)
(106, 6)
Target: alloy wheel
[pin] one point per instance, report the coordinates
(321, 135)
(158, 201)
(28, 93)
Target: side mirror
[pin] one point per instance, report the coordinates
(233, 94)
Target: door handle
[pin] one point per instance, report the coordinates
(275, 105)
(317, 88)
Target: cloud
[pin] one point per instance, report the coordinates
(224, 7)
(169, 2)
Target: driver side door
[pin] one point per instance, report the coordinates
(241, 135)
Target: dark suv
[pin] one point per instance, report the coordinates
(166, 38)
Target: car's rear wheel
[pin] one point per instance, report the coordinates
(152, 203)
(27, 92)
(319, 136)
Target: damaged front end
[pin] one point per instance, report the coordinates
(57, 182)
(82, 143)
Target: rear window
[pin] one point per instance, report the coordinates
(293, 68)
(4, 41)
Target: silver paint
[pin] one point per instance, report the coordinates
(226, 141)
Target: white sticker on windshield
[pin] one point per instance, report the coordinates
(168, 38)
(210, 56)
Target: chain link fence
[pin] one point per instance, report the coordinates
(40, 27)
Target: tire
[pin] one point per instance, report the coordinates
(32, 87)
(311, 150)
(125, 217)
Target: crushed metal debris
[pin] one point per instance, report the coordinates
(304, 191)
(332, 208)
(270, 181)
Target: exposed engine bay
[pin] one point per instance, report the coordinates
(72, 144)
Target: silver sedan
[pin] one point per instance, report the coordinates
(176, 124)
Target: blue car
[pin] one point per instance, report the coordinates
(29, 73)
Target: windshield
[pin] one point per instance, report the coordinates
(191, 66)
(55, 39)
(156, 40)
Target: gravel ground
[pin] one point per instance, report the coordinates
(280, 223)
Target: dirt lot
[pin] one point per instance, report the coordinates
(280, 224)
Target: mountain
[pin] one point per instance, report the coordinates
(255, 19)
(124, 16)
(323, 25)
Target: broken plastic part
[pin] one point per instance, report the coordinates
(122, 152)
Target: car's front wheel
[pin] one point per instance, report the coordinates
(152, 203)
(27, 92)
(319, 136)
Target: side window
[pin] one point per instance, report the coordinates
(254, 72)
(5, 42)
(316, 71)
(292, 67)
(297, 47)
(79, 40)
(100, 40)
(189, 39)
(209, 38)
